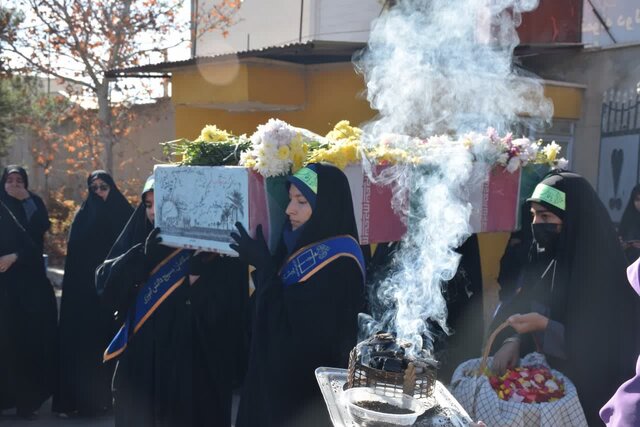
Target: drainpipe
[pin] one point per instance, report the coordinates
(194, 27)
(301, 16)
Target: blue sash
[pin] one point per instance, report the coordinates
(165, 278)
(307, 261)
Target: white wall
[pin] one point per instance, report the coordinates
(260, 23)
(343, 20)
(264, 23)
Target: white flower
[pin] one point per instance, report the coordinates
(513, 164)
(503, 159)
(562, 163)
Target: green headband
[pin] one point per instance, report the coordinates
(550, 195)
(309, 178)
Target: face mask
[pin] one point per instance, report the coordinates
(546, 235)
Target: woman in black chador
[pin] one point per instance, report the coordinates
(175, 363)
(27, 321)
(28, 208)
(306, 301)
(86, 327)
(574, 304)
(629, 229)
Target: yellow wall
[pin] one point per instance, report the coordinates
(330, 93)
(567, 100)
(317, 97)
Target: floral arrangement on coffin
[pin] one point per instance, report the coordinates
(343, 147)
(513, 153)
(214, 147)
(277, 148)
(528, 384)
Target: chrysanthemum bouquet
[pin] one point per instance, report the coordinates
(278, 148)
(214, 147)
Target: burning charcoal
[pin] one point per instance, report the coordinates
(392, 354)
(392, 365)
(377, 362)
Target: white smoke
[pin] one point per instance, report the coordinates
(440, 67)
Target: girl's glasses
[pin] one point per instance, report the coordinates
(101, 187)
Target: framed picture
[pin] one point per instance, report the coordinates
(197, 206)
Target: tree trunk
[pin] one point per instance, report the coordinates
(105, 134)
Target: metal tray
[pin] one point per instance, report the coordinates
(444, 409)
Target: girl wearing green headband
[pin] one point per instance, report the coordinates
(573, 304)
(307, 299)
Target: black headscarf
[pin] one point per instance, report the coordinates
(333, 213)
(589, 295)
(14, 169)
(12, 203)
(35, 221)
(630, 223)
(137, 228)
(98, 222)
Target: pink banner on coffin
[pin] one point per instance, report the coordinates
(258, 212)
(501, 213)
(494, 201)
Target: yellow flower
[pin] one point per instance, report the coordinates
(298, 160)
(344, 130)
(211, 133)
(283, 152)
(551, 151)
(296, 143)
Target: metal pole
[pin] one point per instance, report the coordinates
(301, 16)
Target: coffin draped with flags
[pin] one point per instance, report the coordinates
(197, 206)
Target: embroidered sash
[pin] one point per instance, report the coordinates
(165, 278)
(310, 259)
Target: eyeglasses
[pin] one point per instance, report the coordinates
(101, 187)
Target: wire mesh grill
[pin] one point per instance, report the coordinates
(390, 383)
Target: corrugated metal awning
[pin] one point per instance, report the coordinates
(311, 52)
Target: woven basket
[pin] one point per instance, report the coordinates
(416, 384)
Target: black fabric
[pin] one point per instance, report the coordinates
(629, 228)
(465, 313)
(178, 368)
(306, 325)
(588, 294)
(28, 320)
(86, 327)
(39, 222)
(516, 255)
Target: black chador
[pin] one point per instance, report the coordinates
(300, 326)
(31, 213)
(86, 327)
(177, 369)
(578, 282)
(27, 322)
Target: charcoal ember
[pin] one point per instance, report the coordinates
(392, 365)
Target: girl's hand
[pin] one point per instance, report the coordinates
(507, 357)
(6, 261)
(530, 322)
(19, 193)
